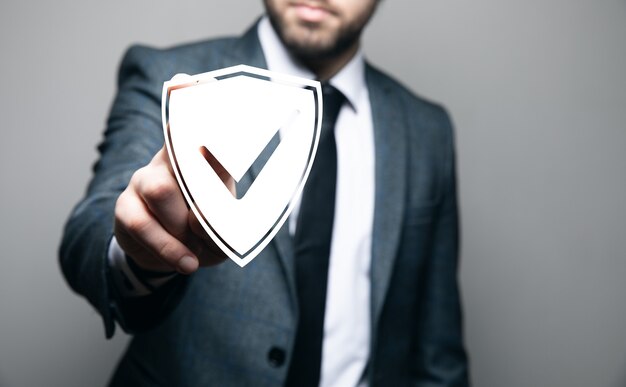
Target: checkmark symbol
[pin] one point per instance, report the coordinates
(276, 140)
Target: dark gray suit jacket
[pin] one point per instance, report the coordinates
(228, 326)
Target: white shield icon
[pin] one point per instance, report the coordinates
(237, 115)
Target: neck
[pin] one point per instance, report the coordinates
(326, 68)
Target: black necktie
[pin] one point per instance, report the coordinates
(312, 248)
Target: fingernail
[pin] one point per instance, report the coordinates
(187, 265)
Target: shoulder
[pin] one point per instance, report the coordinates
(160, 64)
(409, 102)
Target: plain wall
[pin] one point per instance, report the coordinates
(537, 91)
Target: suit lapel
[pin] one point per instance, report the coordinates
(390, 172)
(247, 50)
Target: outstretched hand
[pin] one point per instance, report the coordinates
(154, 226)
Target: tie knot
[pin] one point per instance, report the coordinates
(332, 101)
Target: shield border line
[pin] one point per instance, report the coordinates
(215, 76)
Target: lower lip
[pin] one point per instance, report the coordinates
(310, 14)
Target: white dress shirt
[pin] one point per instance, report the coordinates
(346, 345)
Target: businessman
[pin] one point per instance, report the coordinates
(359, 288)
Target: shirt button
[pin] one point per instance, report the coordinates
(276, 357)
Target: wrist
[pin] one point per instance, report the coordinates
(129, 278)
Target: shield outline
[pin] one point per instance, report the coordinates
(215, 76)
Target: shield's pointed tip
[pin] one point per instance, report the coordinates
(241, 262)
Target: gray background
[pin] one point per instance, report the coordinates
(538, 94)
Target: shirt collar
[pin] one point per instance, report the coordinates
(350, 80)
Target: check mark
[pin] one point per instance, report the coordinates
(226, 177)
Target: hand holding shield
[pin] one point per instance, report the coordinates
(154, 226)
(239, 145)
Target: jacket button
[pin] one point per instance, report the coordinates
(276, 357)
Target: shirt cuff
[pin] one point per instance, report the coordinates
(129, 282)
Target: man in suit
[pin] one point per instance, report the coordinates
(390, 307)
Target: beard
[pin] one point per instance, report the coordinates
(309, 43)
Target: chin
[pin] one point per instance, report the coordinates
(309, 42)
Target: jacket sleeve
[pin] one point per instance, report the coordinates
(132, 137)
(442, 360)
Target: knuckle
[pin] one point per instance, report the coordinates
(137, 224)
(121, 207)
(159, 190)
(128, 215)
(168, 252)
(137, 176)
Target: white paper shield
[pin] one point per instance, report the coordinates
(233, 114)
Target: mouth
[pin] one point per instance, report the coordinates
(311, 12)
